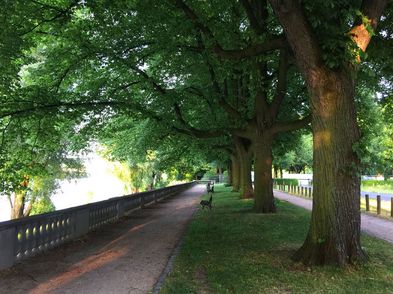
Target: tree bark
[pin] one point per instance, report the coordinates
(229, 169)
(243, 149)
(235, 173)
(334, 234)
(29, 207)
(263, 193)
(18, 207)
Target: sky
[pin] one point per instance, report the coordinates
(100, 184)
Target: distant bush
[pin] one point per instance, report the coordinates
(378, 186)
(293, 182)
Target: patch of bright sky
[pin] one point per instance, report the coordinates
(100, 184)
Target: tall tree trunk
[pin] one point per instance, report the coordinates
(263, 193)
(334, 234)
(29, 207)
(229, 169)
(245, 160)
(19, 205)
(235, 173)
(275, 168)
(219, 173)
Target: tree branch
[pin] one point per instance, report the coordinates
(190, 130)
(253, 50)
(281, 83)
(270, 44)
(69, 105)
(299, 34)
(260, 104)
(258, 15)
(229, 109)
(372, 9)
(281, 127)
(224, 147)
(61, 13)
(156, 86)
(252, 17)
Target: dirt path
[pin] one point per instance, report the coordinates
(127, 257)
(371, 225)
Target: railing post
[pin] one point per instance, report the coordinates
(7, 245)
(378, 204)
(81, 222)
(142, 201)
(367, 202)
(302, 191)
(120, 208)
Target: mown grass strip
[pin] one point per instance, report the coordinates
(230, 249)
(378, 186)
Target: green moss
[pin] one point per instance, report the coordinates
(244, 252)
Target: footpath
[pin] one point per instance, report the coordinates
(371, 225)
(126, 257)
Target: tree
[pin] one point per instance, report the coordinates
(33, 155)
(293, 152)
(316, 32)
(148, 150)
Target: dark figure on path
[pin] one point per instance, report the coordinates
(207, 203)
(210, 187)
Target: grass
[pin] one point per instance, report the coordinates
(378, 186)
(230, 249)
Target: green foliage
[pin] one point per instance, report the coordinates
(43, 205)
(137, 76)
(148, 149)
(293, 182)
(293, 152)
(375, 146)
(232, 250)
(332, 20)
(385, 186)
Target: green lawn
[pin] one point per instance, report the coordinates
(378, 186)
(233, 250)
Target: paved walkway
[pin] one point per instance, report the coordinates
(127, 257)
(384, 196)
(371, 225)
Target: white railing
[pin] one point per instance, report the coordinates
(29, 236)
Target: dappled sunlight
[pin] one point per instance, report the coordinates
(322, 139)
(112, 251)
(85, 266)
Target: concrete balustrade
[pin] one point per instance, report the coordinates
(30, 236)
